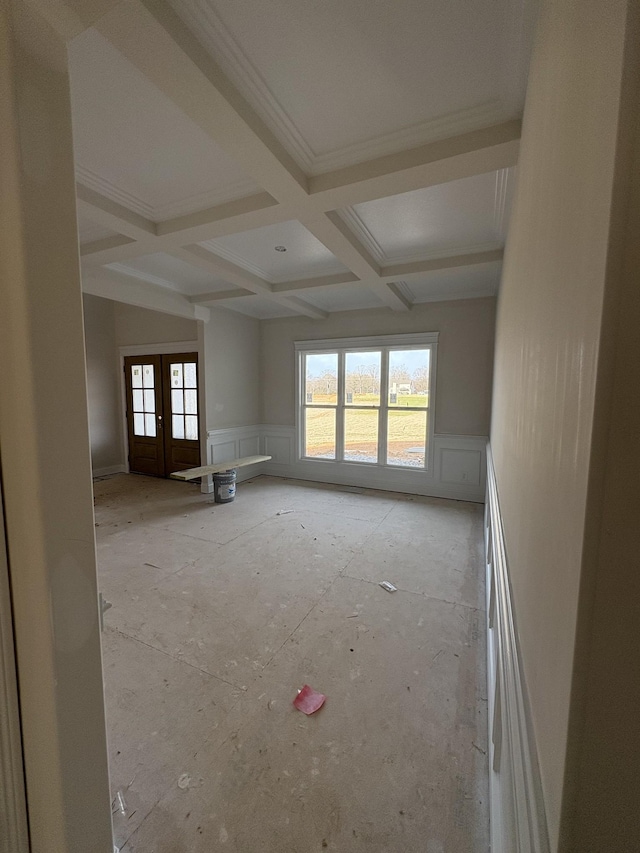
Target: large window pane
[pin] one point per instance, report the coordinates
(136, 376)
(149, 400)
(409, 378)
(320, 433)
(406, 438)
(138, 405)
(321, 378)
(362, 379)
(361, 435)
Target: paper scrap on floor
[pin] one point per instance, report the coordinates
(308, 700)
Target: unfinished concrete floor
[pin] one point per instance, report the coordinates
(221, 612)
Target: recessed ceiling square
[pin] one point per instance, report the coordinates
(260, 252)
(425, 69)
(135, 146)
(458, 216)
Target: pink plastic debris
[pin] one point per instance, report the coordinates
(308, 701)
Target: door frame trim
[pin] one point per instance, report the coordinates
(153, 349)
(11, 764)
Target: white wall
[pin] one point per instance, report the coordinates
(232, 353)
(463, 396)
(465, 357)
(103, 384)
(549, 351)
(45, 453)
(141, 326)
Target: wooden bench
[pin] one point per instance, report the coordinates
(205, 470)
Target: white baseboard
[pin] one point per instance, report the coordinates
(518, 823)
(110, 469)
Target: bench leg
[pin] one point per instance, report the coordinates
(206, 484)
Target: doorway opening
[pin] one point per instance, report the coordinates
(162, 412)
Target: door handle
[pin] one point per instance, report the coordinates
(159, 421)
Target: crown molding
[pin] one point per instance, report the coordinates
(105, 187)
(205, 200)
(502, 186)
(218, 40)
(433, 130)
(168, 210)
(208, 27)
(350, 217)
(405, 289)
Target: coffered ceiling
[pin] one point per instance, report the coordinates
(289, 157)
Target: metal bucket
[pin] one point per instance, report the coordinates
(224, 486)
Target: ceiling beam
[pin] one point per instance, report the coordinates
(113, 215)
(154, 39)
(243, 214)
(335, 280)
(451, 159)
(417, 269)
(333, 232)
(221, 268)
(123, 288)
(398, 272)
(69, 18)
(216, 295)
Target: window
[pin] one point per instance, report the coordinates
(367, 400)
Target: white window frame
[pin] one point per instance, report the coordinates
(386, 344)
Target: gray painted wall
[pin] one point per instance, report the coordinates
(141, 326)
(554, 369)
(232, 369)
(102, 382)
(465, 357)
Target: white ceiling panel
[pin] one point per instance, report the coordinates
(345, 297)
(168, 271)
(448, 218)
(135, 146)
(255, 251)
(256, 306)
(423, 69)
(460, 283)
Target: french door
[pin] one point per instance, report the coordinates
(162, 413)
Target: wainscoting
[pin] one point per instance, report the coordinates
(459, 469)
(518, 822)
